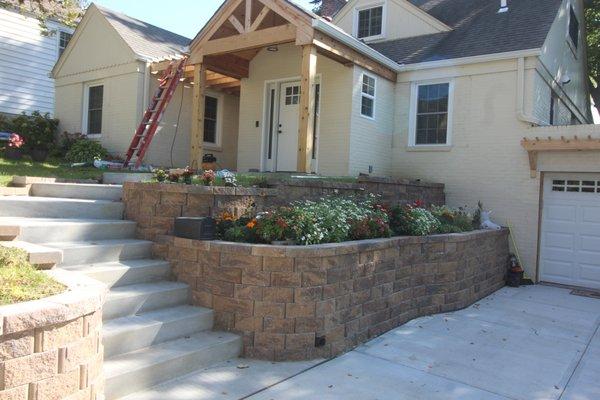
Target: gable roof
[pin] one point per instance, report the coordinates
(477, 29)
(146, 40)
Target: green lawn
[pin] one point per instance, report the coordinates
(53, 168)
(20, 281)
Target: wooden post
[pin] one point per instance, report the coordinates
(306, 128)
(197, 134)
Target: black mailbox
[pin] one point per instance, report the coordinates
(196, 228)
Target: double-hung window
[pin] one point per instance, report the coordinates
(431, 109)
(211, 120)
(369, 22)
(368, 90)
(94, 107)
(63, 40)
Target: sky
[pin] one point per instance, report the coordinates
(185, 17)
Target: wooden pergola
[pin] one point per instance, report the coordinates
(220, 57)
(537, 145)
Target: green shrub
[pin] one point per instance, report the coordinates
(86, 151)
(38, 130)
(408, 220)
(20, 281)
(452, 220)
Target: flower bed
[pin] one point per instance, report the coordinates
(336, 219)
(304, 302)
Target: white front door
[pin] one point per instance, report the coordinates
(287, 137)
(570, 236)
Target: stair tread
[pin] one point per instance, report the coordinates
(166, 351)
(144, 288)
(40, 199)
(161, 316)
(91, 243)
(82, 185)
(27, 222)
(117, 265)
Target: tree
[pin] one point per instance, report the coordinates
(592, 21)
(317, 6)
(67, 12)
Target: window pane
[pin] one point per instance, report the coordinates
(574, 27)
(94, 122)
(363, 23)
(95, 99)
(370, 22)
(432, 114)
(376, 21)
(210, 119)
(367, 107)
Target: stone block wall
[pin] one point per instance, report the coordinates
(51, 349)
(154, 206)
(304, 302)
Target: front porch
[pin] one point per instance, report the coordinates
(295, 86)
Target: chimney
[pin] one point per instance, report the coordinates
(330, 7)
(503, 6)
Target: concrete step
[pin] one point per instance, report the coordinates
(41, 256)
(100, 251)
(50, 207)
(40, 230)
(127, 334)
(77, 191)
(141, 369)
(126, 272)
(136, 299)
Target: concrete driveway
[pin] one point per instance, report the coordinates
(530, 343)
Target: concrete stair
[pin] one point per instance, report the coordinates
(151, 334)
(77, 191)
(51, 207)
(131, 372)
(38, 230)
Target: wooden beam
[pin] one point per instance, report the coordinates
(249, 40)
(220, 81)
(214, 24)
(248, 15)
(562, 144)
(226, 85)
(338, 49)
(236, 24)
(260, 18)
(307, 108)
(533, 157)
(301, 20)
(198, 99)
(229, 65)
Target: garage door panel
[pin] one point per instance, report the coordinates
(559, 268)
(570, 236)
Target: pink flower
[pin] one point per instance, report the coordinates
(15, 141)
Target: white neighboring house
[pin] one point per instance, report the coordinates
(26, 59)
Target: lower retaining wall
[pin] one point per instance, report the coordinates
(51, 348)
(154, 206)
(304, 302)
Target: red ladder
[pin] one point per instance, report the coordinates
(145, 132)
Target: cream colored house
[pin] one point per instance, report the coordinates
(442, 91)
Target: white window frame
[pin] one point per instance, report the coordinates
(219, 133)
(363, 7)
(412, 137)
(573, 46)
(86, 103)
(363, 94)
(58, 40)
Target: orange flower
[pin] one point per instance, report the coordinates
(251, 224)
(227, 216)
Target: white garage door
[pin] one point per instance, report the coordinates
(570, 242)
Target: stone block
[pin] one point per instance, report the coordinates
(278, 325)
(286, 279)
(269, 309)
(61, 335)
(31, 368)
(226, 304)
(278, 294)
(278, 264)
(16, 345)
(293, 310)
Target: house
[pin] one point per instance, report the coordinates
(489, 97)
(27, 55)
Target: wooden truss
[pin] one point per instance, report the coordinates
(534, 146)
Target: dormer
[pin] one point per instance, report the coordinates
(379, 20)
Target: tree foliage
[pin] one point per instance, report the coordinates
(592, 21)
(66, 12)
(316, 6)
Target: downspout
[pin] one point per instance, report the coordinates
(521, 115)
(146, 87)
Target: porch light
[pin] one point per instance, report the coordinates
(273, 49)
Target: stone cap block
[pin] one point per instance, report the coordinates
(37, 254)
(23, 181)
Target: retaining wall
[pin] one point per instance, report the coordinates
(304, 302)
(51, 348)
(154, 206)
